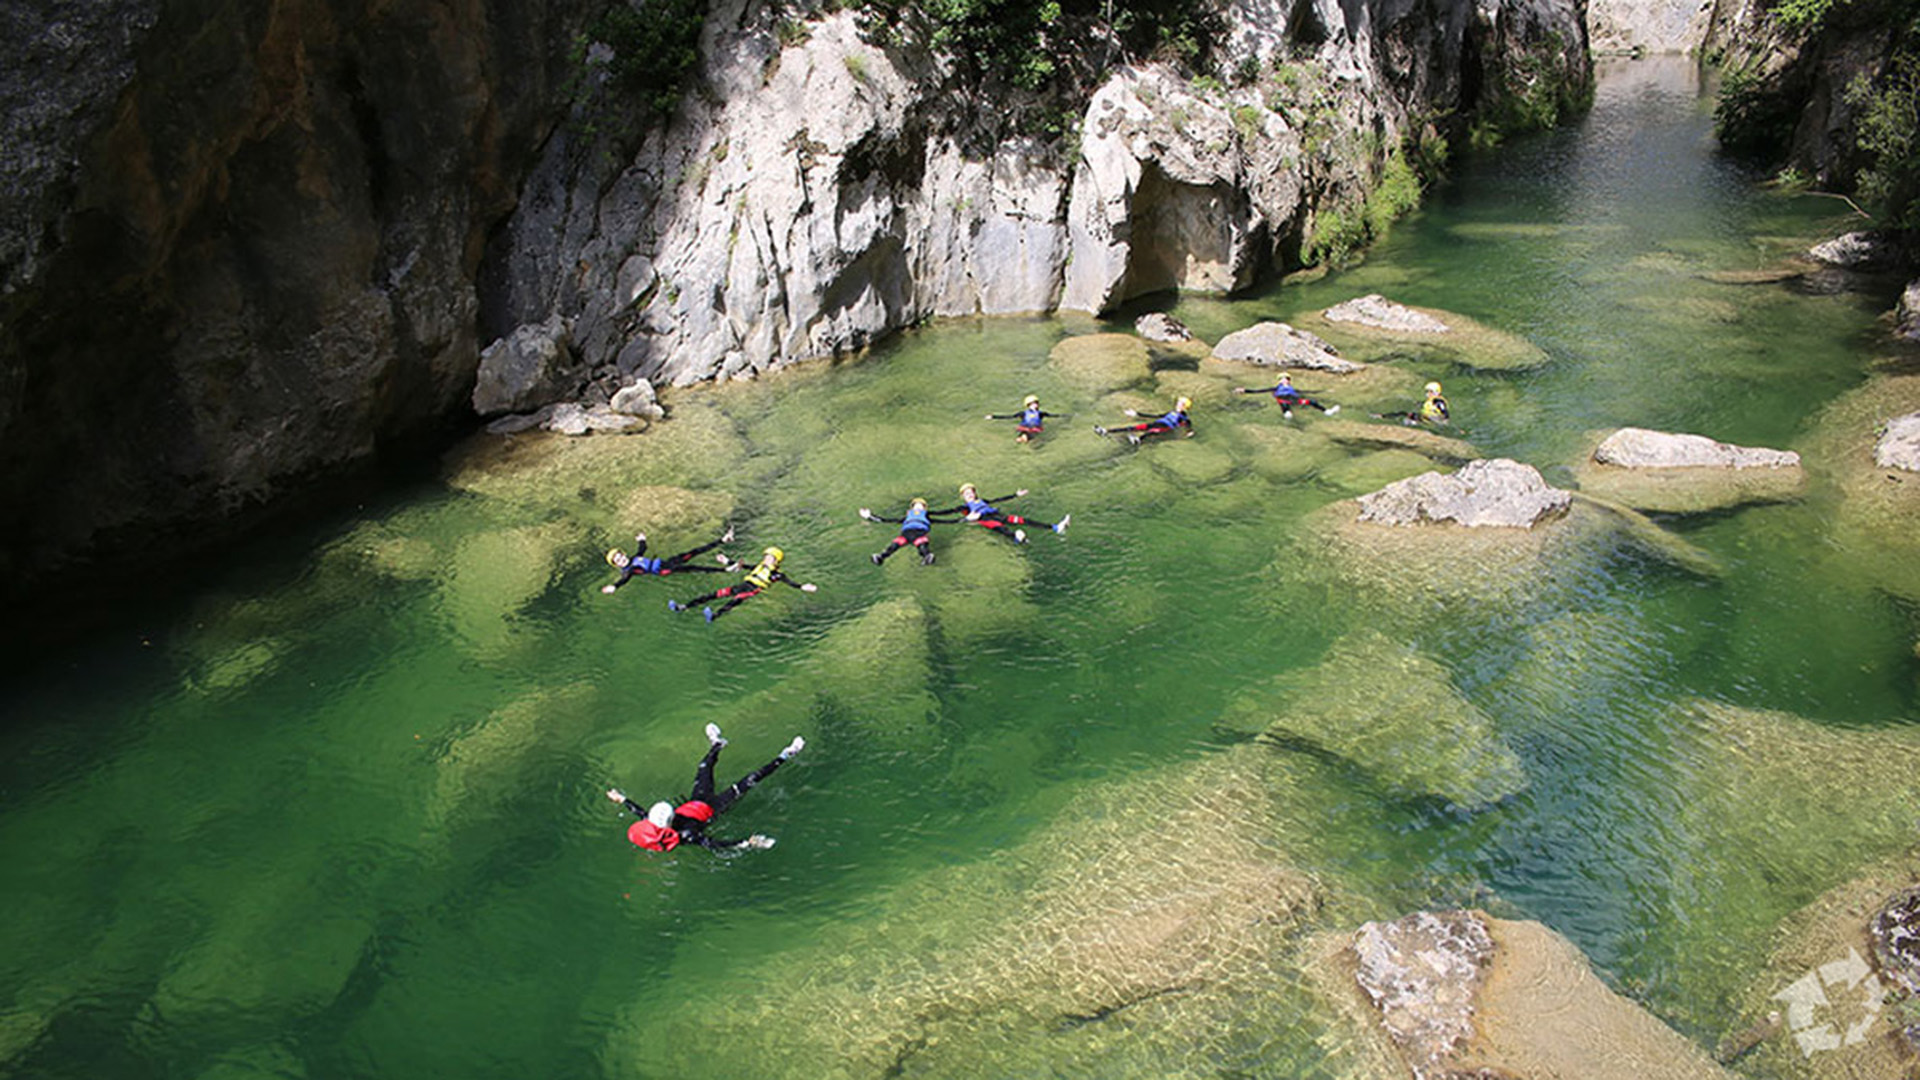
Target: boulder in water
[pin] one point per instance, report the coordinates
(1899, 444)
(1678, 473)
(1864, 250)
(528, 368)
(1102, 362)
(1275, 344)
(1376, 329)
(1159, 326)
(1489, 493)
(1639, 448)
(1380, 313)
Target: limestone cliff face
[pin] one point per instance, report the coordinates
(1647, 26)
(243, 246)
(238, 243)
(819, 195)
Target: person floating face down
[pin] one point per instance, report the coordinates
(664, 826)
(1167, 424)
(1287, 397)
(914, 530)
(983, 513)
(1432, 411)
(1031, 418)
(637, 563)
(758, 580)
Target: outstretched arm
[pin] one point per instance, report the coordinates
(620, 797)
(871, 516)
(785, 580)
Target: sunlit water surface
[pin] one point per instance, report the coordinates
(335, 818)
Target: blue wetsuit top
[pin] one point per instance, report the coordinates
(644, 565)
(975, 506)
(916, 519)
(1031, 417)
(1173, 419)
(1286, 390)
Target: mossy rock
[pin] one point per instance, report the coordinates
(1466, 342)
(1874, 539)
(976, 589)
(1428, 444)
(1065, 948)
(1854, 1038)
(1394, 715)
(1194, 462)
(682, 517)
(490, 576)
(1689, 490)
(490, 762)
(1287, 454)
(1102, 362)
(1359, 474)
(697, 446)
(1209, 392)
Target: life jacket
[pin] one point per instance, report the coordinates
(652, 837)
(1031, 417)
(695, 809)
(1174, 419)
(645, 566)
(976, 506)
(761, 577)
(1434, 408)
(916, 519)
(1286, 392)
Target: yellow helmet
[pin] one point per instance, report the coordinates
(1032, 399)
(616, 558)
(964, 488)
(918, 501)
(1285, 377)
(1433, 388)
(1183, 405)
(775, 554)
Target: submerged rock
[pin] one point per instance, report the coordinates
(1650, 470)
(1861, 250)
(1874, 541)
(1427, 444)
(1496, 493)
(1385, 330)
(490, 576)
(1102, 362)
(1393, 714)
(1067, 947)
(1376, 311)
(1826, 1004)
(681, 517)
(1275, 344)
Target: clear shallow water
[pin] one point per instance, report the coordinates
(340, 814)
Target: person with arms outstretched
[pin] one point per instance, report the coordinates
(637, 563)
(1167, 424)
(983, 513)
(1287, 397)
(1031, 418)
(914, 528)
(664, 826)
(758, 580)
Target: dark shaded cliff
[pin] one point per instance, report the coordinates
(240, 242)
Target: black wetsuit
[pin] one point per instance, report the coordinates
(735, 595)
(1287, 397)
(693, 830)
(638, 563)
(987, 516)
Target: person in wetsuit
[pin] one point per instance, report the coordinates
(913, 530)
(1432, 411)
(664, 826)
(758, 580)
(1287, 397)
(637, 563)
(1031, 418)
(1177, 420)
(988, 516)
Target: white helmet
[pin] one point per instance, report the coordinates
(661, 814)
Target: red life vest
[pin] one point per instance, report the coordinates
(694, 809)
(652, 837)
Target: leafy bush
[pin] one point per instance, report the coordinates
(654, 47)
(1888, 131)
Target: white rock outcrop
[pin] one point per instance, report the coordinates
(1496, 493)
(1899, 444)
(1639, 448)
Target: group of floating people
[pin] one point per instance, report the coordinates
(665, 825)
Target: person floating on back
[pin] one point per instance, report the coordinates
(1030, 417)
(1287, 397)
(914, 528)
(637, 563)
(983, 513)
(1431, 411)
(664, 826)
(1177, 420)
(758, 580)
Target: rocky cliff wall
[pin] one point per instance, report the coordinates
(1647, 26)
(244, 246)
(238, 244)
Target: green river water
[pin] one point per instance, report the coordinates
(340, 813)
